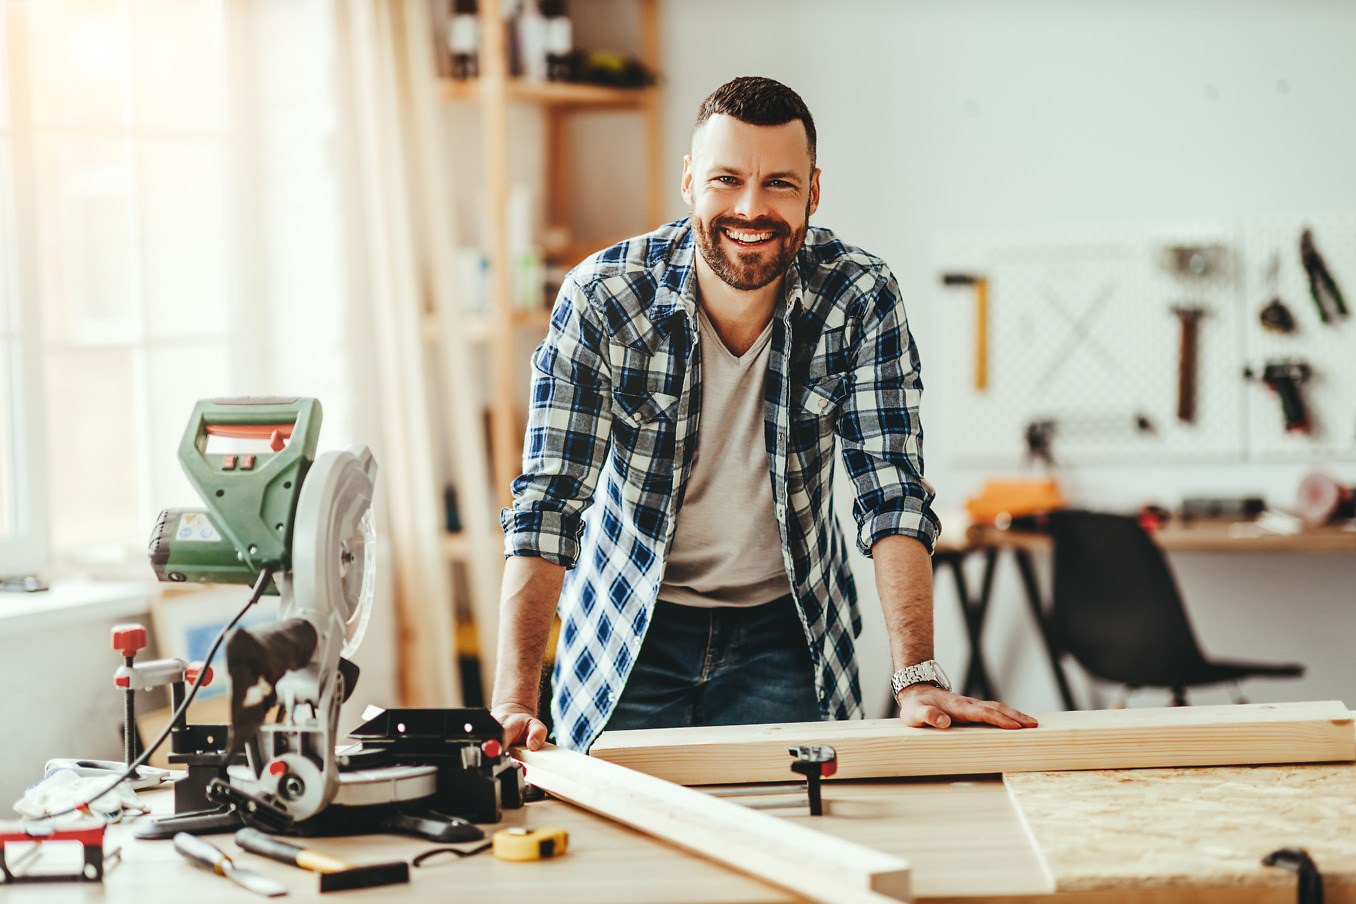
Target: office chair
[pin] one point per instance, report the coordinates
(1117, 610)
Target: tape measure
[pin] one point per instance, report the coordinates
(522, 843)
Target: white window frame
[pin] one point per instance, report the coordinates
(28, 549)
(25, 550)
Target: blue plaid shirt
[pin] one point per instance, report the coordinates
(612, 433)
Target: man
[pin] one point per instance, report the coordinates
(676, 500)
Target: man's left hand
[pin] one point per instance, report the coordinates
(925, 705)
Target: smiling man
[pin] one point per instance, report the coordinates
(676, 504)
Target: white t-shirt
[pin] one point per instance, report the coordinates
(727, 550)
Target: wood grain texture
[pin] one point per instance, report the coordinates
(1097, 739)
(819, 866)
(1189, 829)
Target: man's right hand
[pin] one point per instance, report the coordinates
(521, 725)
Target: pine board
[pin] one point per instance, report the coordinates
(1247, 734)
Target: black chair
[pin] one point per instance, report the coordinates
(1117, 610)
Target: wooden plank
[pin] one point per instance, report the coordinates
(819, 866)
(1098, 739)
(1188, 829)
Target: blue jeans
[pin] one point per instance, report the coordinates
(730, 665)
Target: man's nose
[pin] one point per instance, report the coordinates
(751, 203)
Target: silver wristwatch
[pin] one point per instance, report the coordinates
(929, 672)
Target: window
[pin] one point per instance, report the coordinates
(114, 117)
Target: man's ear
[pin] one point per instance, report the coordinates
(814, 193)
(687, 179)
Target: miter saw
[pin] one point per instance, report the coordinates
(301, 527)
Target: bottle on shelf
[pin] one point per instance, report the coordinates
(559, 41)
(463, 39)
(531, 32)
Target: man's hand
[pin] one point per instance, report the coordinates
(521, 725)
(924, 705)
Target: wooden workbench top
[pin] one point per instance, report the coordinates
(1155, 836)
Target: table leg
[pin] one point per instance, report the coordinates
(1033, 598)
(974, 610)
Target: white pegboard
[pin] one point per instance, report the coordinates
(1082, 332)
(1274, 269)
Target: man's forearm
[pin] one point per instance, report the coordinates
(527, 606)
(904, 582)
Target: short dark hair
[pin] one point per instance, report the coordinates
(758, 101)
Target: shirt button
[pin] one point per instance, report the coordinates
(637, 417)
(611, 697)
(823, 403)
(781, 511)
(823, 694)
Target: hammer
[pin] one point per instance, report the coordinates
(981, 285)
(1186, 364)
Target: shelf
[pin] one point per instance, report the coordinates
(563, 94)
(479, 328)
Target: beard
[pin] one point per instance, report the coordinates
(755, 268)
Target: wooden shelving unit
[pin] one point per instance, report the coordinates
(496, 91)
(500, 331)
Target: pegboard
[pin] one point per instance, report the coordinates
(1082, 332)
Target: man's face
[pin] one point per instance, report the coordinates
(751, 191)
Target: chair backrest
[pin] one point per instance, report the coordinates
(1116, 606)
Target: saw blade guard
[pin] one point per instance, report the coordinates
(334, 545)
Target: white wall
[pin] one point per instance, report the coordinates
(942, 116)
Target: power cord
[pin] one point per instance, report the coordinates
(256, 593)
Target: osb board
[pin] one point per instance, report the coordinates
(1188, 828)
(1099, 739)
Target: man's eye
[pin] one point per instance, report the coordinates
(727, 180)
(780, 183)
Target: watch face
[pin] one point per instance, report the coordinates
(941, 675)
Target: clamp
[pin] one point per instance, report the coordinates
(815, 762)
(1298, 861)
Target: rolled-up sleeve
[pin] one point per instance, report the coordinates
(879, 428)
(568, 426)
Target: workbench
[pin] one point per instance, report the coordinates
(1152, 836)
(1202, 535)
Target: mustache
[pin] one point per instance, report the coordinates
(759, 224)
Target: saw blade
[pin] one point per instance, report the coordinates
(334, 542)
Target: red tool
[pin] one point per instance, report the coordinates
(91, 838)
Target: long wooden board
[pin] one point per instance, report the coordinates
(818, 866)
(1246, 734)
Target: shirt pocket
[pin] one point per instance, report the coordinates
(641, 409)
(814, 417)
(644, 426)
(822, 398)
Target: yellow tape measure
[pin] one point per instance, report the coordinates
(522, 843)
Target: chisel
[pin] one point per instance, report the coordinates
(335, 874)
(208, 856)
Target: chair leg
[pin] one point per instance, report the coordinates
(1179, 696)
(1238, 693)
(1122, 697)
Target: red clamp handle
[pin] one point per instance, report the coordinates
(192, 672)
(128, 639)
